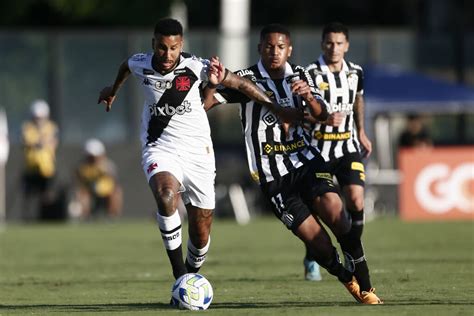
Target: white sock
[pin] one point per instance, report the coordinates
(195, 256)
(170, 228)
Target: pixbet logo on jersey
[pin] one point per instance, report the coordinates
(169, 110)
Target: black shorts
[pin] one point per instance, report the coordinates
(292, 196)
(348, 169)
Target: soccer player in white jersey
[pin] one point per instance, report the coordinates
(340, 82)
(291, 173)
(177, 151)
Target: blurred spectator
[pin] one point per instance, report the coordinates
(40, 140)
(97, 186)
(415, 133)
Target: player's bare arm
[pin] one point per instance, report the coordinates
(107, 95)
(219, 74)
(359, 107)
(316, 106)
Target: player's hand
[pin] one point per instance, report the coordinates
(335, 119)
(366, 144)
(301, 88)
(106, 96)
(216, 71)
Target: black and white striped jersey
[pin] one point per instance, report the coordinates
(173, 116)
(270, 154)
(339, 90)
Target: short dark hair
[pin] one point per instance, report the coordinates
(335, 27)
(168, 26)
(274, 28)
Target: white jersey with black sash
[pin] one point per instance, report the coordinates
(270, 153)
(339, 90)
(173, 116)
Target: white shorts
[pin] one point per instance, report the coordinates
(195, 173)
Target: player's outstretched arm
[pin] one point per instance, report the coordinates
(247, 87)
(107, 95)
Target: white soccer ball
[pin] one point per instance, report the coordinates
(192, 291)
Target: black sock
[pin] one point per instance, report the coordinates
(190, 268)
(351, 244)
(335, 267)
(308, 255)
(357, 222)
(362, 275)
(176, 260)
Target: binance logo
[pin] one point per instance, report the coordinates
(331, 136)
(323, 86)
(268, 149)
(283, 148)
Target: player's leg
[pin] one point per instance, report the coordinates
(354, 195)
(330, 209)
(351, 177)
(165, 189)
(199, 226)
(286, 196)
(328, 206)
(199, 200)
(319, 244)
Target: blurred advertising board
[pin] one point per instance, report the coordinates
(437, 183)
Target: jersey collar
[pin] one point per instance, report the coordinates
(264, 73)
(325, 67)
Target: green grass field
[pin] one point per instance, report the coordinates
(121, 268)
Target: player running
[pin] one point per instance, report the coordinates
(292, 174)
(177, 151)
(341, 84)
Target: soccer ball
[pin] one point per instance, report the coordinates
(192, 291)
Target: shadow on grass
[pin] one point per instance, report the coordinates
(136, 307)
(131, 307)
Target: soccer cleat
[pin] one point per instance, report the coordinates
(370, 297)
(311, 270)
(353, 288)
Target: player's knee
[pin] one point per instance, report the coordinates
(355, 202)
(166, 200)
(331, 203)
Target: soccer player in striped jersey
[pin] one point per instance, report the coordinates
(291, 173)
(177, 151)
(340, 82)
